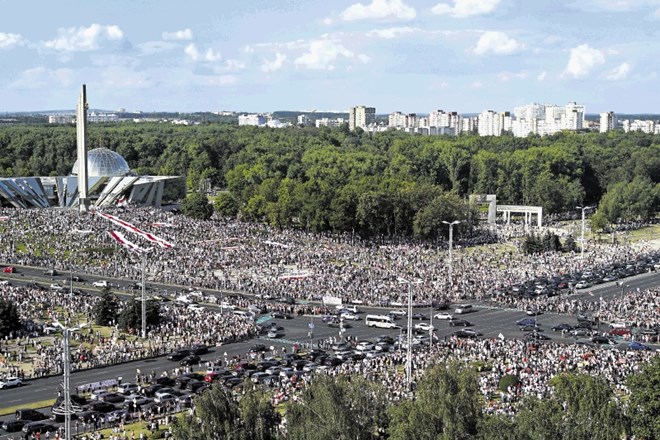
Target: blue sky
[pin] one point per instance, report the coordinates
(267, 55)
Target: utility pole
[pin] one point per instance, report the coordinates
(583, 208)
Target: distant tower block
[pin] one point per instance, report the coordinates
(81, 128)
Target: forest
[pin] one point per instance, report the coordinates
(391, 183)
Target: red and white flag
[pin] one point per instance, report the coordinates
(129, 227)
(121, 239)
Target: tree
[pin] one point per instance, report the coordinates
(448, 406)
(105, 311)
(197, 206)
(216, 415)
(131, 315)
(342, 407)
(259, 418)
(9, 319)
(226, 205)
(644, 403)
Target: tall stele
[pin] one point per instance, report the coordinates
(81, 127)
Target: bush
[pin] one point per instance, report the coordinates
(509, 380)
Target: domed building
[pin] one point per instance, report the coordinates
(109, 180)
(102, 162)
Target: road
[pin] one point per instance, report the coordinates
(492, 322)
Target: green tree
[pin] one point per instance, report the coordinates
(9, 318)
(342, 407)
(131, 315)
(106, 311)
(448, 406)
(216, 416)
(258, 416)
(197, 206)
(644, 403)
(225, 204)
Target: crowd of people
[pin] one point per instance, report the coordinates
(267, 262)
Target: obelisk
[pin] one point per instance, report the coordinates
(81, 128)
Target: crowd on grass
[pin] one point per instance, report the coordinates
(267, 262)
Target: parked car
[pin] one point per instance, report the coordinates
(460, 323)
(101, 284)
(446, 316)
(127, 388)
(29, 414)
(191, 359)
(561, 327)
(38, 427)
(13, 425)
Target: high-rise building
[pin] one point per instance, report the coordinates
(361, 116)
(607, 122)
(492, 123)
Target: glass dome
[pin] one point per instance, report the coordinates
(102, 162)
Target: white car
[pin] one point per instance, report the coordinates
(226, 305)
(398, 312)
(10, 382)
(56, 287)
(618, 325)
(443, 316)
(350, 316)
(424, 326)
(166, 397)
(582, 284)
(102, 283)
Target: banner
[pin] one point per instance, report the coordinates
(129, 227)
(124, 242)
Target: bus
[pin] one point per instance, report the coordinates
(382, 321)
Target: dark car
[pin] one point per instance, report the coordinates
(38, 427)
(199, 349)
(151, 389)
(332, 362)
(419, 316)
(466, 333)
(526, 321)
(459, 323)
(191, 359)
(29, 415)
(51, 272)
(531, 328)
(178, 355)
(536, 336)
(112, 398)
(77, 279)
(600, 340)
(13, 425)
(193, 385)
(165, 381)
(561, 327)
(102, 407)
(258, 348)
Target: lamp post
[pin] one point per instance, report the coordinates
(583, 208)
(67, 407)
(451, 239)
(143, 254)
(409, 336)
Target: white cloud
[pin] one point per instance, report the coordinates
(83, 38)
(40, 77)
(276, 64)
(123, 78)
(477, 85)
(465, 8)
(541, 76)
(322, 55)
(379, 9)
(9, 40)
(582, 60)
(618, 73)
(508, 76)
(390, 33)
(210, 55)
(496, 42)
(185, 34)
(615, 5)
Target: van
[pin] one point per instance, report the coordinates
(29, 414)
(463, 308)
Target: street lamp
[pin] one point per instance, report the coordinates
(583, 208)
(67, 407)
(451, 239)
(409, 336)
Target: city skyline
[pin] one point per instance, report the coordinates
(394, 55)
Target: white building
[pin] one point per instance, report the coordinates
(607, 122)
(645, 126)
(303, 120)
(102, 117)
(397, 120)
(361, 116)
(492, 123)
(252, 119)
(327, 122)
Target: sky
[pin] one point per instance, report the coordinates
(268, 55)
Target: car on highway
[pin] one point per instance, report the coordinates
(281, 315)
(636, 345)
(127, 388)
(56, 286)
(13, 425)
(531, 328)
(536, 336)
(38, 427)
(9, 269)
(273, 333)
(582, 284)
(419, 316)
(351, 316)
(191, 359)
(467, 333)
(397, 312)
(178, 355)
(10, 382)
(77, 278)
(562, 327)
(423, 326)
(446, 316)
(101, 283)
(526, 321)
(461, 309)
(29, 414)
(51, 272)
(460, 323)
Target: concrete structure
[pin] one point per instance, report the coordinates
(646, 126)
(98, 178)
(607, 122)
(252, 119)
(326, 122)
(361, 116)
(506, 210)
(491, 123)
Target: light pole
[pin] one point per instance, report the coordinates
(67, 407)
(451, 240)
(409, 336)
(144, 302)
(583, 208)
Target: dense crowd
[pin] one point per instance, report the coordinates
(261, 260)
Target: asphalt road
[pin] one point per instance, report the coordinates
(490, 321)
